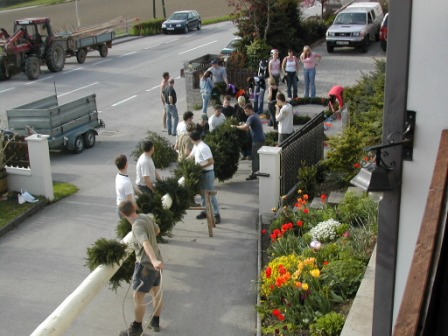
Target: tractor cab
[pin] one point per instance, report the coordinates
(37, 31)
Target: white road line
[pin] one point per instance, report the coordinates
(153, 88)
(73, 70)
(124, 100)
(7, 90)
(202, 45)
(107, 60)
(132, 52)
(38, 80)
(170, 41)
(81, 88)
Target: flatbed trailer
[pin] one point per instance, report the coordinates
(71, 126)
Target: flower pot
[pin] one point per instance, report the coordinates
(3, 181)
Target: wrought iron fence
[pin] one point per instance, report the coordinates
(305, 145)
(16, 153)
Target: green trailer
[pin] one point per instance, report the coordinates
(71, 126)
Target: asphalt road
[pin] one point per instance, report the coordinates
(209, 289)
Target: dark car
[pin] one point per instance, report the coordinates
(383, 32)
(182, 21)
(231, 47)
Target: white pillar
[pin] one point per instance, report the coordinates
(63, 316)
(40, 163)
(269, 187)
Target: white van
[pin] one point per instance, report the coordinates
(355, 26)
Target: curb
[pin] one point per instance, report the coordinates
(15, 222)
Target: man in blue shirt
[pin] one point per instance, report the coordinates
(254, 125)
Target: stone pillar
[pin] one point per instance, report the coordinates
(269, 187)
(40, 163)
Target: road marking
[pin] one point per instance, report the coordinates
(132, 52)
(171, 41)
(154, 87)
(75, 69)
(124, 100)
(107, 60)
(202, 45)
(38, 80)
(81, 88)
(7, 90)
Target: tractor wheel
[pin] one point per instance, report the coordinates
(4, 73)
(81, 55)
(55, 57)
(32, 67)
(89, 139)
(103, 50)
(79, 144)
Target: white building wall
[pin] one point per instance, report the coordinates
(428, 96)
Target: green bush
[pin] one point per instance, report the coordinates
(164, 153)
(344, 276)
(307, 178)
(256, 51)
(357, 209)
(330, 324)
(146, 28)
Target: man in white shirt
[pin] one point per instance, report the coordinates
(217, 118)
(123, 185)
(203, 156)
(284, 117)
(182, 126)
(147, 175)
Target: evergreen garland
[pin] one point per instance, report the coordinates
(164, 153)
(225, 145)
(192, 173)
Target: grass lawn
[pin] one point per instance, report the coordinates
(11, 209)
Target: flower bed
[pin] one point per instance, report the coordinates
(313, 263)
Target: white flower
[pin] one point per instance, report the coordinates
(325, 231)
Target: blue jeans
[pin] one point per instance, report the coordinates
(309, 75)
(258, 100)
(208, 183)
(255, 156)
(291, 81)
(171, 113)
(205, 102)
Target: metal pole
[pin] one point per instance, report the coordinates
(154, 9)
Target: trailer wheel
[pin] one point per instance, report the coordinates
(32, 67)
(103, 50)
(79, 144)
(89, 139)
(55, 57)
(81, 55)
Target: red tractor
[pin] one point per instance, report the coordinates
(33, 44)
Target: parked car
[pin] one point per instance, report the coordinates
(230, 48)
(383, 33)
(355, 26)
(182, 21)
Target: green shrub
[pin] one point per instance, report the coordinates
(330, 324)
(344, 276)
(164, 153)
(256, 51)
(307, 178)
(357, 209)
(147, 28)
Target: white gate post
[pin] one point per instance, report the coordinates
(269, 187)
(40, 164)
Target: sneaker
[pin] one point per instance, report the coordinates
(217, 219)
(251, 177)
(155, 324)
(202, 215)
(164, 130)
(132, 330)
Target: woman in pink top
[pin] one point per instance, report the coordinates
(336, 93)
(309, 60)
(274, 66)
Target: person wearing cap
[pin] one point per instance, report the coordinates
(202, 155)
(202, 126)
(219, 76)
(275, 66)
(217, 118)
